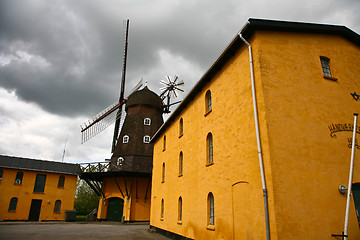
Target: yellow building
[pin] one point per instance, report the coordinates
(216, 177)
(36, 190)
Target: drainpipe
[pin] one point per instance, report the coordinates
(258, 139)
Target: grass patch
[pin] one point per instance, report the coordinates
(80, 218)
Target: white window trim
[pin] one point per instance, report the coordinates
(126, 139)
(147, 121)
(146, 139)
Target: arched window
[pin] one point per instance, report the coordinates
(126, 139)
(211, 209)
(119, 161)
(180, 209)
(162, 209)
(181, 162)
(13, 204)
(147, 121)
(19, 177)
(146, 139)
(1, 174)
(163, 173)
(209, 148)
(57, 206)
(181, 127)
(164, 143)
(61, 182)
(208, 102)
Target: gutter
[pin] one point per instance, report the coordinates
(258, 139)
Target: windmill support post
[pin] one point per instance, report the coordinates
(346, 224)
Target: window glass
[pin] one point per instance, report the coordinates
(57, 206)
(209, 143)
(19, 177)
(164, 143)
(325, 64)
(163, 173)
(61, 182)
(119, 161)
(211, 209)
(180, 209)
(147, 121)
(181, 158)
(146, 139)
(126, 139)
(181, 127)
(13, 204)
(162, 208)
(40, 183)
(208, 101)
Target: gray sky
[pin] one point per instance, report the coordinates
(61, 61)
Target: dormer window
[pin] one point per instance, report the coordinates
(146, 139)
(126, 139)
(147, 121)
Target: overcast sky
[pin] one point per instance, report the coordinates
(61, 61)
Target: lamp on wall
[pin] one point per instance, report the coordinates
(48, 201)
(342, 189)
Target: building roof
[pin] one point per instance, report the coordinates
(247, 31)
(39, 165)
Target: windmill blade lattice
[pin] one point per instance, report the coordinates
(101, 121)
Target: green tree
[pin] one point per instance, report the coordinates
(86, 199)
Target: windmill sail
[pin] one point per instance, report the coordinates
(109, 115)
(117, 123)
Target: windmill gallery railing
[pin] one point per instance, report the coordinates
(95, 167)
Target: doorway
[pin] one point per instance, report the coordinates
(115, 209)
(35, 209)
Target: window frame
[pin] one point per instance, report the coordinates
(13, 204)
(119, 161)
(208, 102)
(163, 173)
(19, 178)
(57, 206)
(211, 211)
(209, 149)
(181, 163)
(180, 206)
(162, 210)
(164, 143)
(61, 182)
(181, 127)
(125, 139)
(146, 139)
(147, 121)
(39, 187)
(326, 69)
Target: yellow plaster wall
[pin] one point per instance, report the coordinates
(231, 123)
(24, 193)
(136, 208)
(308, 165)
(303, 165)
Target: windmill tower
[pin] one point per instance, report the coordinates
(124, 182)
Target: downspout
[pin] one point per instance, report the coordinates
(258, 139)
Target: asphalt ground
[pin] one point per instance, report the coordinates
(76, 231)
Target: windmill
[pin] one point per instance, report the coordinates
(116, 113)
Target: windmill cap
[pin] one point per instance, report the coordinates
(144, 97)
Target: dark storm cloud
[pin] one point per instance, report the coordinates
(66, 56)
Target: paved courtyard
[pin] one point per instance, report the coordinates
(76, 231)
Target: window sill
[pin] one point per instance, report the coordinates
(209, 164)
(56, 212)
(39, 192)
(210, 227)
(180, 175)
(60, 187)
(208, 112)
(330, 78)
(162, 181)
(179, 222)
(181, 135)
(161, 219)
